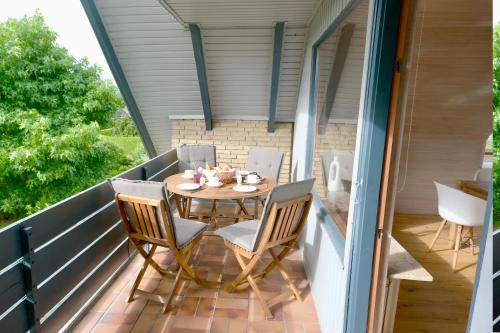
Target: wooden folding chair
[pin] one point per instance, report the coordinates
(149, 222)
(283, 219)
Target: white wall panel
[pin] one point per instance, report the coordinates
(244, 13)
(239, 65)
(156, 55)
(291, 66)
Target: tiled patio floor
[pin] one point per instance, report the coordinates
(201, 309)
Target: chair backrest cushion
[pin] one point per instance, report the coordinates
(279, 194)
(483, 175)
(149, 190)
(459, 207)
(266, 162)
(195, 156)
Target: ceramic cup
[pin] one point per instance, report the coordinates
(252, 179)
(188, 173)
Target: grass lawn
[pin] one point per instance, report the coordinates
(131, 145)
(128, 143)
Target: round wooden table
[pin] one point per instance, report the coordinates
(183, 198)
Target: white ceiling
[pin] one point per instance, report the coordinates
(156, 55)
(243, 13)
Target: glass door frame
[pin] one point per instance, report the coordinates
(380, 51)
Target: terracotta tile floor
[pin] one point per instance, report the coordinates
(201, 309)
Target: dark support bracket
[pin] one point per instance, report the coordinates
(118, 74)
(202, 74)
(335, 75)
(29, 283)
(279, 33)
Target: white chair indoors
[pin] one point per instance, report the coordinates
(459, 208)
(483, 175)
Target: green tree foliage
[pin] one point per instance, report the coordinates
(496, 122)
(123, 126)
(51, 109)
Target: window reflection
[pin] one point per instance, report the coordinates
(340, 67)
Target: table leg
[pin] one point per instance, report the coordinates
(256, 208)
(243, 209)
(214, 214)
(178, 205)
(188, 208)
(391, 304)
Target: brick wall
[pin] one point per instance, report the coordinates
(233, 139)
(336, 137)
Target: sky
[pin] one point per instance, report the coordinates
(68, 19)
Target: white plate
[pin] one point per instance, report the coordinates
(253, 183)
(218, 184)
(244, 188)
(187, 177)
(244, 172)
(188, 186)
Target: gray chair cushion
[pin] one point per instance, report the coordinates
(187, 230)
(266, 162)
(195, 156)
(144, 189)
(241, 234)
(247, 234)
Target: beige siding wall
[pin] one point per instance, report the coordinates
(450, 96)
(336, 137)
(233, 139)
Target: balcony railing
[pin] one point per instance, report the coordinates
(55, 262)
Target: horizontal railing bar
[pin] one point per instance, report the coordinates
(79, 295)
(173, 166)
(12, 287)
(88, 231)
(10, 246)
(76, 225)
(9, 267)
(60, 284)
(15, 320)
(69, 261)
(93, 298)
(10, 309)
(82, 281)
(158, 164)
